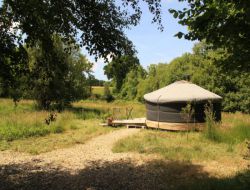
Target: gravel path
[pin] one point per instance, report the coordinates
(76, 157)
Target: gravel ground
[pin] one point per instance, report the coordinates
(76, 157)
(93, 166)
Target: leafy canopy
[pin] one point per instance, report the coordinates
(223, 23)
(98, 25)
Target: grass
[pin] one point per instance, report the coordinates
(25, 121)
(175, 146)
(78, 133)
(234, 129)
(104, 107)
(23, 128)
(229, 143)
(98, 90)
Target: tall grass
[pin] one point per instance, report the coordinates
(174, 146)
(237, 132)
(26, 120)
(23, 128)
(77, 132)
(211, 127)
(217, 141)
(23, 125)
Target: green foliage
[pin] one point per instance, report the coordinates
(188, 112)
(13, 59)
(200, 68)
(58, 77)
(11, 130)
(96, 25)
(118, 69)
(23, 128)
(129, 88)
(99, 24)
(95, 82)
(224, 23)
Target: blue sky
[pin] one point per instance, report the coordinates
(152, 45)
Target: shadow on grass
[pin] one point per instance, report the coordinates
(118, 175)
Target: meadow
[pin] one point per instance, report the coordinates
(23, 128)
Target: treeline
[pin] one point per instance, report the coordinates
(96, 82)
(200, 67)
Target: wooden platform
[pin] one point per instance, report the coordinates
(131, 122)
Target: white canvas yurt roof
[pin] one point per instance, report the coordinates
(181, 91)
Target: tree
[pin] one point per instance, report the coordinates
(96, 25)
(202, 69)
(58, 77)
(223, 23)
(130, 85)
(119, 67)
(13, 59)
(95, 82)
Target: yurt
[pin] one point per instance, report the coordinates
(165, 106)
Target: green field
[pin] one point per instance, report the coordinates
(98, 90)
(23, 128)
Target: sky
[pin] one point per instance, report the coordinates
(152, 45)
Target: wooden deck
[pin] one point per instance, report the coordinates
(131, 122)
